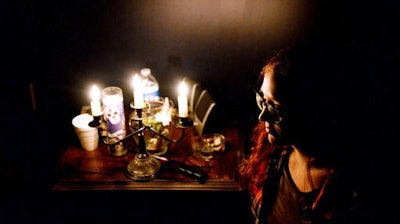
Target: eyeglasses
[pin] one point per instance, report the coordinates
(273, 112)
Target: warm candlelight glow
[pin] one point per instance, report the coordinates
(95, 102)
(182, 100)
(164, 115)
(137, 91)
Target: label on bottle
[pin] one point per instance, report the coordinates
(150, 91)
(150, 86)
(151, 96)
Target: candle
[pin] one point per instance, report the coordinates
(164, 116)
(95, 102)
(137, 91)
(182, 100)
(114, 115)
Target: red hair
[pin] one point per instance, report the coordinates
(253, 170)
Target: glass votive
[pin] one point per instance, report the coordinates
(114, 116)
(211, 144)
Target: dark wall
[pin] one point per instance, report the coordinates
(219, 43)
(62, 47)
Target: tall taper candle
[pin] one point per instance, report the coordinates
(95, 102)
(137, 92)
(182, 100)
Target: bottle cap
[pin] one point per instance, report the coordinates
(145, 71)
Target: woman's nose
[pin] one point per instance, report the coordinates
(264, 115)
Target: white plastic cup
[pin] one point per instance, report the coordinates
(88, 136)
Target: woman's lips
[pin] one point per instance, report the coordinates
(271, 137)
(267, 127)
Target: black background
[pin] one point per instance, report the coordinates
(62, 47)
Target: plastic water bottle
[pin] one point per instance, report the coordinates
(151, 87)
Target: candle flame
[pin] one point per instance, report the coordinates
(136, 82)
(183, 89)
(95, 93)
(164, 115)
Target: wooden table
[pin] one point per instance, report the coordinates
(98, 170)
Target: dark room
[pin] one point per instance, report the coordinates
(208, 78)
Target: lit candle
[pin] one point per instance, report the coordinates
(182, 100)
(95, 102)
(164, 116)
(137, 91)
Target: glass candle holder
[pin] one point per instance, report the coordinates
(114, 116)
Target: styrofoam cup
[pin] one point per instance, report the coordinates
(88, 136)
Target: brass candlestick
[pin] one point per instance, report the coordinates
(143, 166)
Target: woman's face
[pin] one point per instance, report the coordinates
(271, 109)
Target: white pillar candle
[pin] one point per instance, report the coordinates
(95, 102)
(182, 100)
(137, 92)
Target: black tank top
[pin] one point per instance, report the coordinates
(290, 203)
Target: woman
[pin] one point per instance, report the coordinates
(296, 171)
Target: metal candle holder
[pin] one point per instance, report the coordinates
(143, 166)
